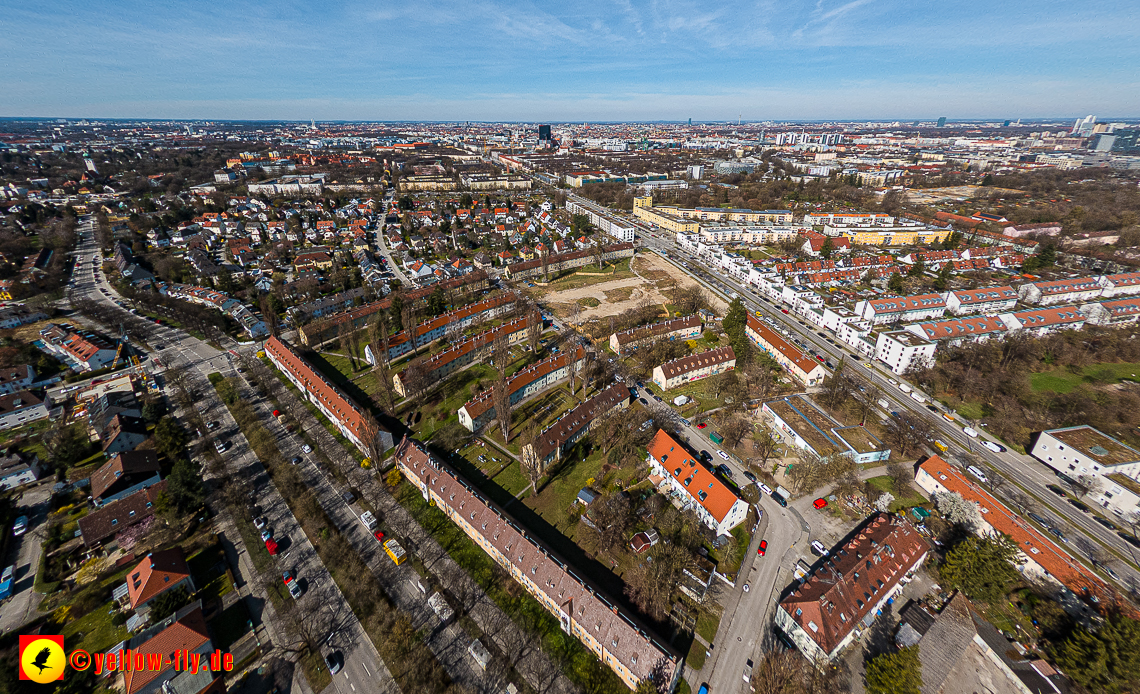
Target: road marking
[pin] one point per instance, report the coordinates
(365, 668)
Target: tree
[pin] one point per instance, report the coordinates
(501, 396)
(170, 438)
(917, 269)
(907, 433)
(883, 503)
(168, 603)
(371, 434)
(734, 324)
(392, 479)
(895, 284)
(529, 461)
(958, 510)
(611, 516)
(827, 248)
(894, 673)
(1107, 660)
(1048, 256)
(185, 485)
(944, 273)
(764, 445)
(981, 567)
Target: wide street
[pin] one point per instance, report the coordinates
(24, 554)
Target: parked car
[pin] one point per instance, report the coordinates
(977, 472)
(271, 546)
(722, 454)
(763, 548)
(291, 584)
(971, 432)
(260, 522)
(749, 476)
(766, 489)
(379, 535)
(210, 426)
(1078, 505)
(1056, 490)
(334, 661)
(296, 460)
(819, 503)
(307, 448)
(702, 425)
(995, 447)
(266, 534)
(1105, 522)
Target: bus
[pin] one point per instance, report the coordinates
(6, 582)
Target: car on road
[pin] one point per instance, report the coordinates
(643, 401)
(1056, 490)
(260, 522)
(20, 526)
(977, 472)
(971, 432)
(307, 448)
(1060, 535)
(1078, 505)
(222, 446)
(291, 584)
(702, 425)
(379, 535)
(334, 661)
(783, 310)
(995, 447)
(1130, 539)
(745, 587)
(750, 477)
(266, 534)
(1105, 522)
(296, 460)
(867, 364)
(723, 455)
(892, 381)
(210, 426)
(1039, 519)
(766, 489)
(819, 503)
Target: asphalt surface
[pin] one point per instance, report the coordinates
(24, 553)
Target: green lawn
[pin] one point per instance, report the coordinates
(1063, 381)
(696, 657)
(94, 630)
(512, 479)
(556, 501)
(884, 484)
(707, 624)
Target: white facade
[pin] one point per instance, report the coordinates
(902, 350)
(986, 301)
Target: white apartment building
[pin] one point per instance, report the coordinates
(1124, 284)
(985, 301)
(1111, 466)
(857, 334)
(1042, 321)
(959, 330)
(1068, 291)
(902, 350)
(1115, 313)
(694, 367)
(901, 309)
(825, 218)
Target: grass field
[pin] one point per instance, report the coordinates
(94, 630)
(1062, 381)
(884, 484)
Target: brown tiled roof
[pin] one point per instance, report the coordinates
(635, 335)
(156, 573)
(582, 415)
(475, 342)
(125, 463)
(455, 316)
(18, 401)
(804, 362)
(684, 365)
(835, 597)
(345, 409)
(484, 401)
(587, 605)
(117, 515)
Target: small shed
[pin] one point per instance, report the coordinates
(586, 496)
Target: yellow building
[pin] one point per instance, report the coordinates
(896, 236)
(665, 221)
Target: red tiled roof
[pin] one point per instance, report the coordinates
(693, 475)
(342, 406)
(188, 633)
(484, 401)
(156, 573)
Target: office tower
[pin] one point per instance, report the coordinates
(942, 122)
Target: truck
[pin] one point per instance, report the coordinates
(783, 492)
(369, 520)
(395, 552)
(6, 580)
(942, 447)
(439, 605)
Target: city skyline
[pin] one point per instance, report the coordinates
(518, 62)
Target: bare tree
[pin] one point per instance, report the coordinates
(544, 256)
(371, 435)
(408, 321)
(501, 396)
(611, 516)
(764, 446)
(907, 433)
(529, 461)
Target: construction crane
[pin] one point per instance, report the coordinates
(119, 349)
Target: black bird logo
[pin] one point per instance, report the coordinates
(41, 659)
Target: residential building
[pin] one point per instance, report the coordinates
(349, 418)
(326, 305)
(803, 368)
(123, 433)
(1068, 291)
(183, 632)
(83, 351)
(560, 262)
(1116, 313)
(1110, 468)
(156, 574)
(686, 328)
(903, 350)
(124, 474)
(555, 440)
(833, 218)
(18, 469)
(694, 367)
(15, 316)
(959, 330)
(106, 522)
(582, 609)
(1042, 321)
(23, 407)
(687, 480)
(901, 309)
(619, 229)
(16, 378)
(986, 301)
(838, 601)
(429, 331)
(1124, 284)
(1041, 559)
(480, 410)
(810, 428)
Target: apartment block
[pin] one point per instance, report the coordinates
(688, 327)
(553, 441)
(901, 309)
(694, 367)
(688, 479)
(986, 301)
(1068, 291)
(903, 350)
(1042, 321)
(477, 412)
(802, 367)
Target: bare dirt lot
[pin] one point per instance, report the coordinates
(653, 282)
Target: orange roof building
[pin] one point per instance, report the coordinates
(185, 631)
(700, 490)
(156, 574)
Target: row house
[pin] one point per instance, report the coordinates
(984, 300)
(1060, 291)
(694, 367)
(319, 332)
(1124, 284)
(1112, 313)
(477, 412)
(960, 330)
(902, 350)
(1042, 321)
(326, 305)
(449, 323)
(242, 314)
(439, 366)
(582, 609)
(802, 367)
(23, 407)
(349, 418)
(694, 485)
(555, 440)
(838, 600)
(685, 328)
(902, 309)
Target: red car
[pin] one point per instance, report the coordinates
(762, 549)
(276, 413)
(819, 357)
(379, 535)
(271, 546)
(819, 503)
(784, 310)
(702, 425)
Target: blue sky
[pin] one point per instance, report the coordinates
(570, 61)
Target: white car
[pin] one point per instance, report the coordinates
(307, 448)
(766, 489)
(722, 454)
(972, 433)
(977, 472)
(995, 447)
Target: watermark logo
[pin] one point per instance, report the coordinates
(42, 658)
